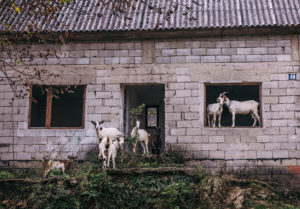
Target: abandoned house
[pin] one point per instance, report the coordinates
(176, 57)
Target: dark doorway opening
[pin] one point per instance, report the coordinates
(153, 117)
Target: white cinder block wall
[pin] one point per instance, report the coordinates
(183, 66)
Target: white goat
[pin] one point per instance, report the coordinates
(142, 137)
(108, 149)
(243, 108)
(215, 110)
(57, 164)
(112, 133)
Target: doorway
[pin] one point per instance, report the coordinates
(153, 116)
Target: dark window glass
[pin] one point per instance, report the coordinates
(57, 106)
(67, 107)
(38, 107)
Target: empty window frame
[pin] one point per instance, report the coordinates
(152, 116)
(56, 107)
(238, 92)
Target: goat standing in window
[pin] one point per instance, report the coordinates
(215, 110)
(141, 136)
(243, 108)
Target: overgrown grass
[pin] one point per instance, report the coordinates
(88, 186)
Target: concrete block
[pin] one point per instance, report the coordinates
(183, 78)
(112, 46)
(210, 146)
(68, 61)
(278, 107)
(244, 51)
(178, 131)
(208, 59)
(191, 101)
(97, 46)
(213, 51)
(216, 154)
(182, 44)
(238, 58)
(260, 50)
(216, 139)
(280, 123)
(284, 58)
(168, 52)
(223, 59)
(105, 53)
(183, 93)
(256, 43)
(181, 108)
(173, 116)
(268, 58)
(181, 52)
(176, 85)
(53, 61)
(121, 53)
(280, 154)
(223, 44)
(127, 46)
(272, 146)
(138, 60)
(199, 51)
(191, 116)
(253, 58)
(96, 60)
(162, 60)
(111, 60)
(75, 53)
(275, 50)
(82, 61)
(287, 99)
(229, 51)
(285, 84)
(265, 154)
(90, 53)
(127, 60)
(208, 44)
(192, 59)
(283, 43)
(269, 43)
(163, 45)
(184, 124)
(278, 92)
(135, 53)
(178, 59)
(237, 44)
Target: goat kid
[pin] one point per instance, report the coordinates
(215, 110)
(243, 108)
(108, 149)
(112, 133)
(57, 164)
(142, 137)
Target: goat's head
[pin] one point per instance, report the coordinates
(222, 98)
(135, 129)
(97, 125)
(72, 157)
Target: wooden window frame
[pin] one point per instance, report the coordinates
(49, 108)
(259, 84)
(157, 116)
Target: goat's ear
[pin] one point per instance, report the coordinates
(100, 122)
(93, 122)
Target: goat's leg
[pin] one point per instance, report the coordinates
(146, 144)
(144, 148)
(114, 160)
(109, 156)
(214, 120)
(46, 173)
(233, 119)
(220, 115)
(257, 116)
(134, 146)
(208, 120)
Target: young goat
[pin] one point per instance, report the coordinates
(102, 132)
(142, 137)
(108, 149)
(243, 108)
(57, 164)
(215, 110)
